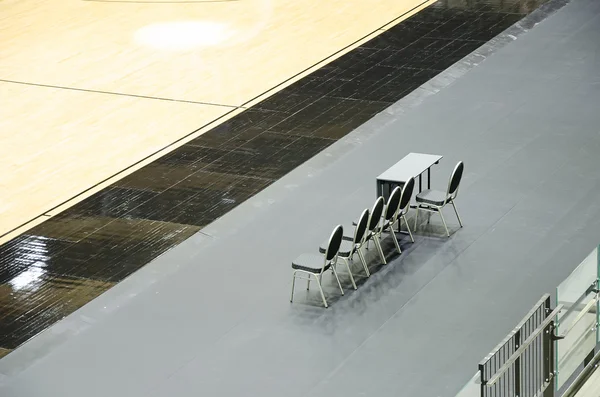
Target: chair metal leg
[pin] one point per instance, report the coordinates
(393, 234)
(407, 227)
(338, 279)
(444, 221)
(349, 271)
(364, 262)
(320, 289)
(417, 218)
(308, 284)
(293, 284)
(377, 244)
(456, 211)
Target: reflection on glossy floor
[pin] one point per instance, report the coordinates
(61, 264)
(83, 120)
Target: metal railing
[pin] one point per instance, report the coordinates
(522, 365)
(578, 338)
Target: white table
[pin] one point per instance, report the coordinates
(412, 166)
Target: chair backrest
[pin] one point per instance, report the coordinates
(407, 192)
(455, 179)
(393, 203)
(361, 227)
(376, 213)
(335, 240)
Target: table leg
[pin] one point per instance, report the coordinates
(429, 178)
(386, 190)
(420, 183)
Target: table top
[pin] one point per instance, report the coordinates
(412, 165)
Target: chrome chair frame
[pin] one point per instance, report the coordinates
(360, 231)
(329, 261)
(390, 216)
(399, 213)
(451, 194)
(374, 229)
(404, 207)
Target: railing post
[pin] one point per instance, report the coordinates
(518, 365)
(549, 343)
(483, 380)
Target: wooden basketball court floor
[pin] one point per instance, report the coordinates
(92, 90)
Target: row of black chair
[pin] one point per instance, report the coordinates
(370, 226)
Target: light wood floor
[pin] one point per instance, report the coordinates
(89, 89)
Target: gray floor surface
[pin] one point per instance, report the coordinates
(212, 317)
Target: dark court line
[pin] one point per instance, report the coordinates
(117, 93)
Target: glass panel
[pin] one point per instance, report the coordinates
(577, 321)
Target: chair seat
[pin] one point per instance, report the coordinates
(433, 197)
(345, 247)
(310, 263)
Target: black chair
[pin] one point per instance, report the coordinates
(390, 216)
(350, 247)
(374, 227)
(314, 265)
(407, 192)
(435, 200)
